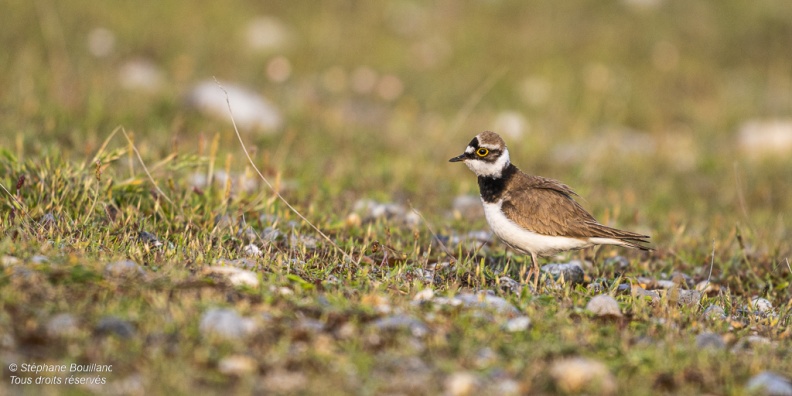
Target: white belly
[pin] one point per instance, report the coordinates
(527, 241)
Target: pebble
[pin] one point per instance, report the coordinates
(252, 250)
(268, 34)
(141, 75)
(487, 301)
(461, 384)
(604, 305)
(582, 375)
(684, 297)
(402, 322)
(638, 291)
(252, 112)
(149, 239)
(511, 285)
(765, 137)
(243, 263)
(572, 272)
(710, 341)
(62, 325)
(770, 384)
(39, 259)
(424, 295)
(714, 312)
(236, 365)
(372, 210)
(225, 323)
(235, 276)
(707, 287)
(761, 304)
(9, 261)
(520, 323)
(111, 325)
(125, 269)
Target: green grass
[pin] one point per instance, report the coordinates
(683, 76)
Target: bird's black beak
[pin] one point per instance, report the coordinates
(459, 158)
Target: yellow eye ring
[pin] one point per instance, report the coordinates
(482, 152)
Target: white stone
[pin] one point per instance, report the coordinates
(226, 323)
(234, 275)
(761, 138)
(252, 112)
(582, 375)
(604, 305)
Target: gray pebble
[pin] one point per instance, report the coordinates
(111, 325)
(571, 272)
(62, 325)
(487, 301)
(225, 323)
(710, 341)
(402, 322)
(770, 384)
(714, 312)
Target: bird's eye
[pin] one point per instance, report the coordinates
(482, 152)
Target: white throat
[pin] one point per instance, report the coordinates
(489, 169)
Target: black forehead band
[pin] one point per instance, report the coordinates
(474, 142)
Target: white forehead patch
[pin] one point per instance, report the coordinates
(469, 149)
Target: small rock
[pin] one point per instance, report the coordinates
(235, 276)
(710, 340)
(461, 384)
(39, 259)
(487, 301)
(9, 261)
(761, 304)
(111, 325)
(149, 239)
(252, 251)
(684, 297)
(520, 323)
(604, 305)
(125, 269)
(236, 365)
(372, 210)
(243, 263)
(140, 75)
(252, 112)
(402, 322)
(48, 220)
(714, 312)
(511, 285)
(268, 34)
(640, 292)
(571, 272)
(707, 287)
(62, 325)
(581, 375)
(225, 323)
(770, 384)
(424, 295)
(764, 138)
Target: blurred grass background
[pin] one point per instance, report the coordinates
(668, 117)
(637, 104)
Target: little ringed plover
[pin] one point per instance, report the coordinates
(534, 214)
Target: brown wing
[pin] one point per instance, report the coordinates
(546, 206)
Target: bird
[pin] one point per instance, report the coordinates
(535, 215)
